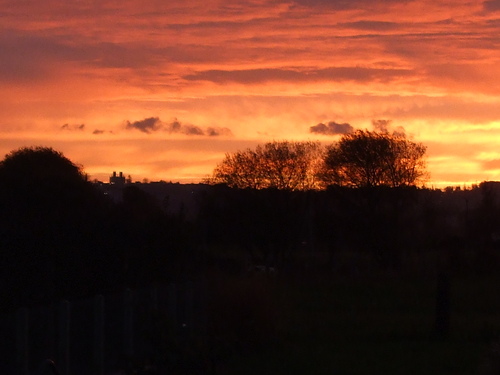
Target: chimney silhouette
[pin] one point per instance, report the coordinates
(118, 180)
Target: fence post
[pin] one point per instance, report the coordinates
(154, 305)
(172, 304)
(443, 289)
(99, 334)
(128, 324)
(64, 337)
(22, 341)
(189, 309)
(51, 330)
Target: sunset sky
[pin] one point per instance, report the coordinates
(163, 89)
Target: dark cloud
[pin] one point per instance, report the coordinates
(175, 126)
(123, 55)
(340, 4)
(372, 25)
(153, 124)
(72, 127)
(332, 128)
(30, 57)
(491, 5)
(335, 74)
(191, 130)
(215, 132)
(147, 125)
(25, 57)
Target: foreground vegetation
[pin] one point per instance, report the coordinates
(340, 281)
(377, 325)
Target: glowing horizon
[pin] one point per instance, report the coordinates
(162, 90)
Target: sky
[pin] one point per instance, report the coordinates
(164, 89)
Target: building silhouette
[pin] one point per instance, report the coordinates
(118, 180)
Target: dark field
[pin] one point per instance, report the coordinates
(376, 325)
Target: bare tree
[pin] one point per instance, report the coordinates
(367, 159)
(283, 165)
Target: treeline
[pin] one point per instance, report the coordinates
(404, 229)
(61, 237)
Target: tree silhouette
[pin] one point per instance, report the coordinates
(51, 221)
(367, 159)
(32, 172)
(284, 165)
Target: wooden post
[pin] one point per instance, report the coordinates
(22, 341)
(172, 304)
(50, 314)
(99, 334)
(154, 305)
(443, 306)
(128, 324)
(442, 322)
(188, 324)
(64, 337)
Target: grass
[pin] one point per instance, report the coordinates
(373, 327)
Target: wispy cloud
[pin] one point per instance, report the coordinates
(381, 125)
(385, 126)
(72, 127)
(101, 131)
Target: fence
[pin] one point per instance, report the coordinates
(105, 333)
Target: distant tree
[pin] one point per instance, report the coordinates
(368, 159)
(282, 165)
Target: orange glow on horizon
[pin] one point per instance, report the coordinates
(163, 90)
